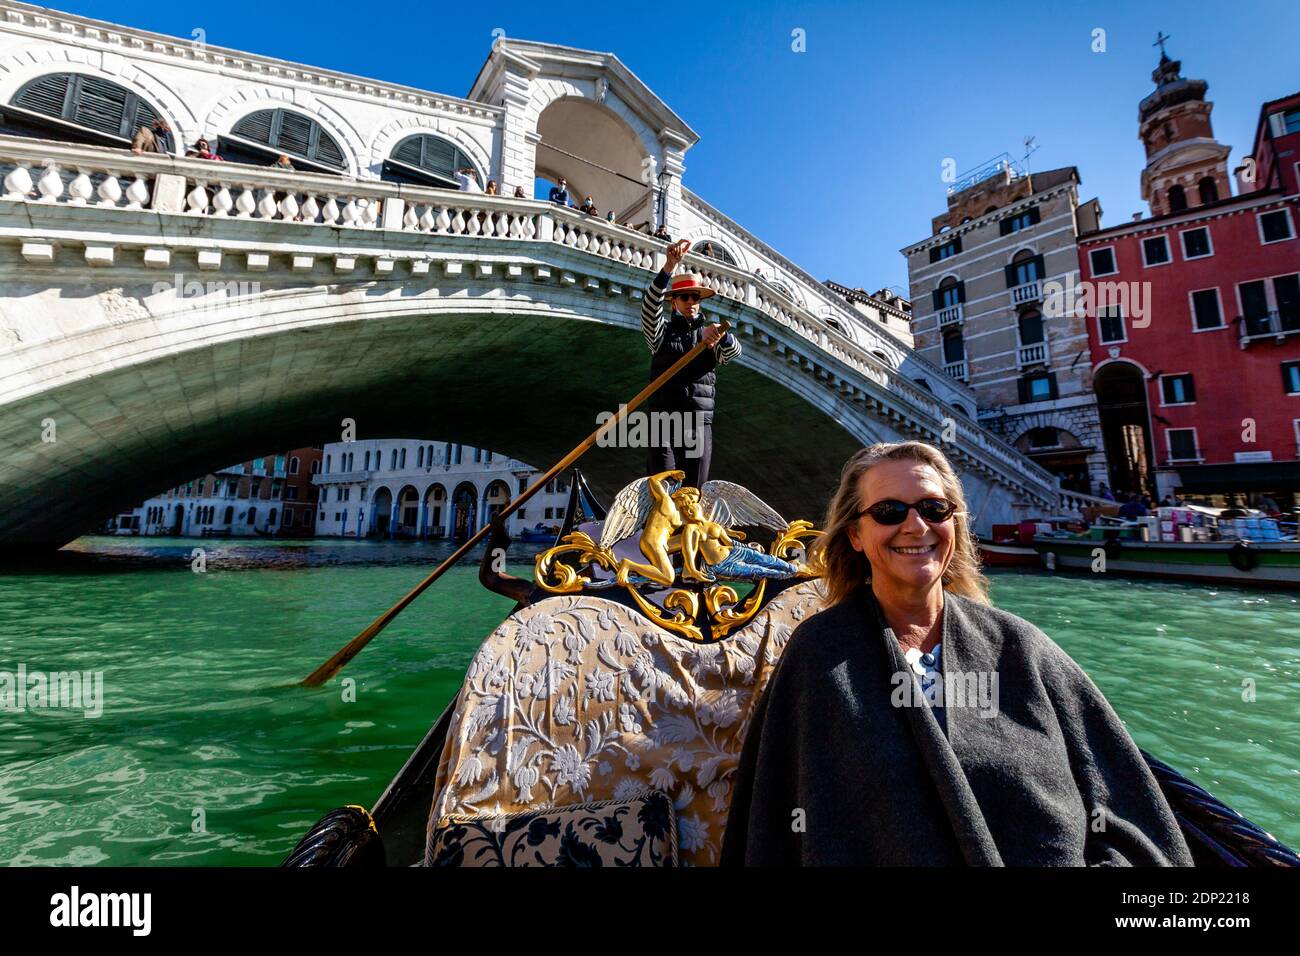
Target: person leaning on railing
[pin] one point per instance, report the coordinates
(155, 139)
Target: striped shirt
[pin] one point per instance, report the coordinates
(653, 321)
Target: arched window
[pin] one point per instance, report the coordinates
(1025, 267)
(419, 457)
(709, 248)
(76, 107)
(1209, 190)
(260, 137)
(230, 514)
(1177, 199)
(949, 293)
(1031, 328)
(961, 409)
(293, 465)
(424, 160)
(315, 467)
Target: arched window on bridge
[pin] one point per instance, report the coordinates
(424, 160)
(961, 409)
(260, 138)
(710, 249)
(77, 108)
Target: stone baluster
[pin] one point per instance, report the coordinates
(330, 212)
(530, 228)
(289, 207)
(110, 190)
(503, 225)
(350, 212)
(222, 201)
(410, 220)
(137, 194)
(604, 246)
(472, 227)
(516, 227)
(245, 204)
(50, 185)
(370, 213)
(458, 224)
(428, 220)
(80, 188)
(443, 220)
(18, 183)
(310, 209)
(266, 206)
(196, 200)
(560, 230)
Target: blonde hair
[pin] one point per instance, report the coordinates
(846, 569)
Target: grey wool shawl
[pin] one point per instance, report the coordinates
(833, 773)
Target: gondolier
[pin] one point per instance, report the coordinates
(692, 392)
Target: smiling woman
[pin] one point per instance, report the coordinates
(911, 723)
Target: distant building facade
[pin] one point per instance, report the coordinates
(272, 495)
(410, 488)
(1194, 322)
(885, 308)
(978, 286)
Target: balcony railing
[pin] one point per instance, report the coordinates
(1270, 325)
(1031, 354)
(1026, 292)
(956, 370)
(951, 315)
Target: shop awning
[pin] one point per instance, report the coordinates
(1240, 476)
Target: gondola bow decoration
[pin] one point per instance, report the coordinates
(681, 556)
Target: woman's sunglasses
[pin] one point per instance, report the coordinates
(892, 511)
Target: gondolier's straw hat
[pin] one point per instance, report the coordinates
(689, 282)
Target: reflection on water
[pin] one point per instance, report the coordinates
(208, 753)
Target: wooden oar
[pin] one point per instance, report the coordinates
(336, 663)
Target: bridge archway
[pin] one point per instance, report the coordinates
(596, 151)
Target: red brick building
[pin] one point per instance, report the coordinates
(1194, 312)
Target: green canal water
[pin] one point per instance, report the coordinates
(206, 752)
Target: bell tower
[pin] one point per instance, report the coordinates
(1186, 166)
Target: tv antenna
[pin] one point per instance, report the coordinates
(1030, 148)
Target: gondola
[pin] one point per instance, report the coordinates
(393, 833)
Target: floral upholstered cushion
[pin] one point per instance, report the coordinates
(576, 699)
(640, 831)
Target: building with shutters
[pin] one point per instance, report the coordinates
(979, 308)
(273, 495)
(412, 488)
(1194, 311)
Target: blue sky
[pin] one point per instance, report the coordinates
(832, 155)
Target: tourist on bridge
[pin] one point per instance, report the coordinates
(560, 193)
(692, 392)
(202, 150)
(467, 180)
(155, 139)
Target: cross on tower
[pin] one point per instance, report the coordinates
(1160, 41)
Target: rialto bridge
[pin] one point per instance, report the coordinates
(161, 316)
